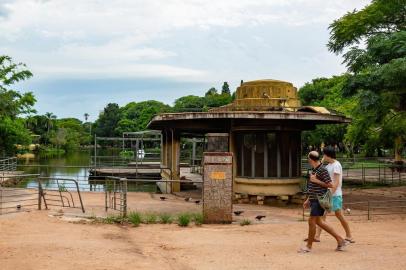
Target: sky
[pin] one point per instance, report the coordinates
(87, 53)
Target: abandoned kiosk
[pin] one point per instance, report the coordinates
(262, 128)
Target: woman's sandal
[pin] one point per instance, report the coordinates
(304, 250)
(341, 247)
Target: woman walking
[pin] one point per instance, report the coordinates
(336, 174)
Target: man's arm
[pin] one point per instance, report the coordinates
(325, 184)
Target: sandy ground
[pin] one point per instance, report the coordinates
(37, 240)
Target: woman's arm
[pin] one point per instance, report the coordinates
(336, 182)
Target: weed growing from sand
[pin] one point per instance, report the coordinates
(245, 222)
(165, 218)
(135, 218)
(184, 220)
(150, 218)
(197, 218)
(111, 219)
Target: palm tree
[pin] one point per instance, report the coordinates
(50, 121)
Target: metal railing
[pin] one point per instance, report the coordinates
(373, 171)
(116, 190)
(17, 199)
(8, 164)
(370, 208)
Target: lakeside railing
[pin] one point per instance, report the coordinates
(8, 164)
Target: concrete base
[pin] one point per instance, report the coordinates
(267, 187)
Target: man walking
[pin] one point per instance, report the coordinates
(317, 186)
(336, 175)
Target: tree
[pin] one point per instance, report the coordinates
(108, 120)
(50, 121)
(327, 92)
(225, 89)
(377, 69)
(138, 115)
(189, 103)
(12, 104)
(212, 91)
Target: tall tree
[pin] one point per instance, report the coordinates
(225, 89)
(108, 120)
(12, 104)
(373, 41)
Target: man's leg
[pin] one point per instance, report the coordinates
(318, 230)
(330, 230)
(312, 231)
(344, 223)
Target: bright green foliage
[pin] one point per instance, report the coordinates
(12, 132)
(184, 220)
(189, 103)
(135, 218)
(13, 104)
(377, 70)
(327, 93)
(137, 115)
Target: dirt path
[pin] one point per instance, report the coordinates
(36, 241)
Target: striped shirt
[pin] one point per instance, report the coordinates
(314, 189)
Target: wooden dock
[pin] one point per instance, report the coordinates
(130, 173)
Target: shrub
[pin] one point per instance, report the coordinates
(198, 218)
(135, 218)
(183, 220)
(150, 219)
(165, 218)
(245, 222)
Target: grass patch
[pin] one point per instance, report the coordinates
(165, 218)
(113, 219)
(245, 222)
(150, 218)
(184, 220)
(135, 218)
(197, 218)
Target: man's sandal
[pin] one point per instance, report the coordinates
(315, 240)
(349, 240)
(304, 250)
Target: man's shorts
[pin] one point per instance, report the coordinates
(315, 208)
(337, 203)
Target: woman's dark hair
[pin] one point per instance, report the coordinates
(329, 151)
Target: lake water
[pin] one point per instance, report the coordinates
(69, 166)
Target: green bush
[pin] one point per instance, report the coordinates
(183, 220)
(135, 218)
(165, 218)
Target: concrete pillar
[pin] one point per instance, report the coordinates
(175, 159)
(218, 187)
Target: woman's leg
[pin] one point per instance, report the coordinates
(344, 223)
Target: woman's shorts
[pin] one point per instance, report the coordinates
(315, 208)
(337, 203)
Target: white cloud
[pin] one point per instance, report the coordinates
(123, 37)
